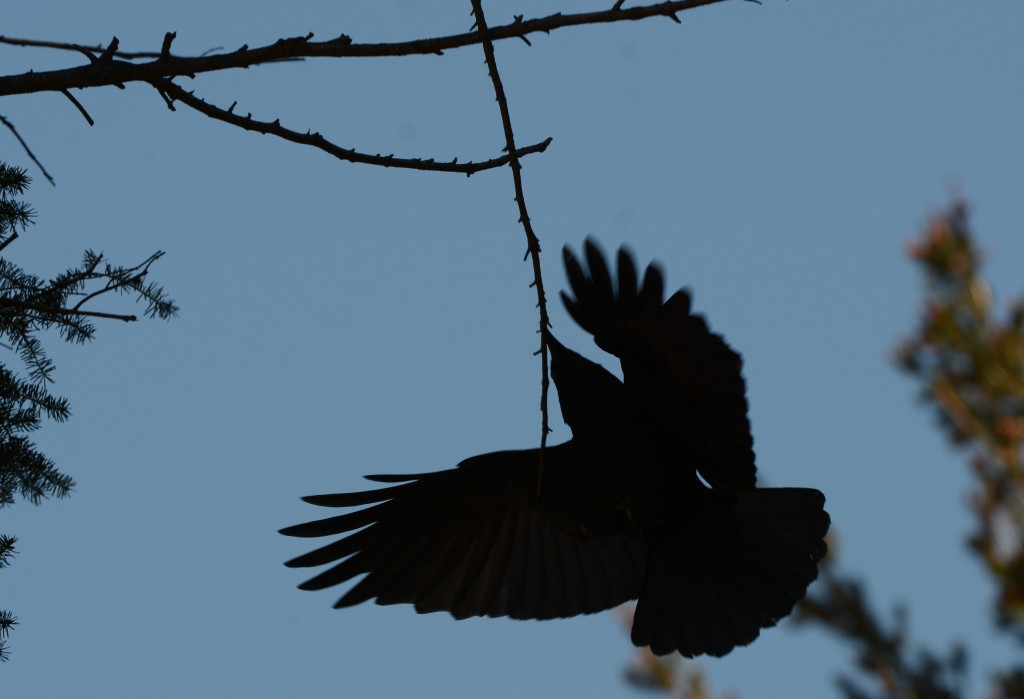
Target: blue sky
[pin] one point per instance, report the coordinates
(340, 320)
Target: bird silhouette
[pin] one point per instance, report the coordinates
(616, 513)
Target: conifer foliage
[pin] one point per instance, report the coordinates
(30, 305)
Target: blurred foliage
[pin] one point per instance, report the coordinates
(889, 668)
(673, 675)
(970, 365)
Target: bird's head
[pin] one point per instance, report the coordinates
(584, 387)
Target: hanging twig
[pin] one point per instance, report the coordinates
(532, 243)
(79, 106)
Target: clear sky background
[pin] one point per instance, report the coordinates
(340, 319)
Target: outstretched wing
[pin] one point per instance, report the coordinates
(684, 375)
(475, 541)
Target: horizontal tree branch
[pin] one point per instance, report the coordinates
(111, 68)
(274, 128)
(14, 303)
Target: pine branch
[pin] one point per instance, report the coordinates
(7, 550)
(28, 305)
(58, 311)
(7, 621)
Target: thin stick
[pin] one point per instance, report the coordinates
(14, 303)
(274, 128)
(532, 243)
(27, 150)
(80, 107)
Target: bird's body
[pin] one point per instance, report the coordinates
(616, 513)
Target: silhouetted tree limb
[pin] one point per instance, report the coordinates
(79, 107)
(173, 92)
(108, 65)
(31, 155)
(112, 67)
(532, 243)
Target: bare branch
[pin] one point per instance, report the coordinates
(112, 68)
(80, 107)
(532, 243)
(32, 155)
(315, 140)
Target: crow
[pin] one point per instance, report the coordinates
(617, 513)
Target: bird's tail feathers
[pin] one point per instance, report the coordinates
(718, 589)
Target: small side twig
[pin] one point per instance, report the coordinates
(108, 53)
(174, 91)
(80, 107)
(532, 243)
(31, 155)
(165, 49)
